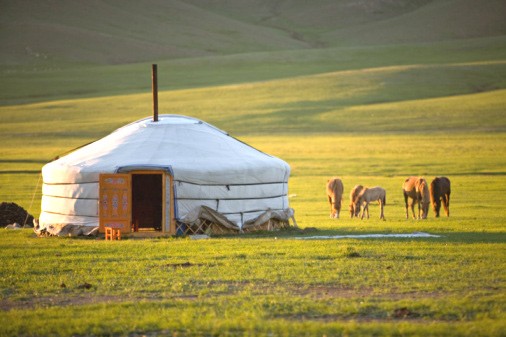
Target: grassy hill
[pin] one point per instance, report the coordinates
(71, 49)
(118, 32)
(370, 90)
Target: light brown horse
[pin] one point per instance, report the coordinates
(335, 194)
(440, 192)
(416, 189)
(371, 194)
(355, 191)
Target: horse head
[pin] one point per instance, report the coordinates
(424, 195)
(359, 200)
(334, 214)
(354, 209)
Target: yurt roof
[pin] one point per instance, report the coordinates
(190, 149)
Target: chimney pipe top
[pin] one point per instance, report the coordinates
(154, 85)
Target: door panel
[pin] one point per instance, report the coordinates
(115, 202)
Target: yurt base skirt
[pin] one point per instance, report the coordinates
(203, 221)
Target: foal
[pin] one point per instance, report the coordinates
(371, 194)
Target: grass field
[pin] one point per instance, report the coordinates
(272, 284)
(370, 91)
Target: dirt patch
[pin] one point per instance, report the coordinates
(319, 292)
(404, 312)
(345, 318)
(57, 301)
(91, 298)
(182, 265)
(228, 288)
(323, 292)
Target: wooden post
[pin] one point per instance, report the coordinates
(154, 82)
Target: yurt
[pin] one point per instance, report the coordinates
(175, 175)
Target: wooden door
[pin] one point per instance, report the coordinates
(115, 201)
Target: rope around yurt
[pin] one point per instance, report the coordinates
(33, 198)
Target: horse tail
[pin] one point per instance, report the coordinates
(384, 199)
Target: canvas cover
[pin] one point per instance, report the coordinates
(209, 168)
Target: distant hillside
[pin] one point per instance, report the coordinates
(129, 31)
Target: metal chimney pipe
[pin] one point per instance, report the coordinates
(154, 85)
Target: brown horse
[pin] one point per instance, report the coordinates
(440, 192)
(371, 194)
(416, 189)
(335, 194)
(355, 191)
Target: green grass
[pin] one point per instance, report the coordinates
(21, 84)
(370, 91)
(271, 284)
(252, 286)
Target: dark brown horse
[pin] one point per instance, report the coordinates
(440, 192)
(335, 195)
(355, 191)
(416, 189)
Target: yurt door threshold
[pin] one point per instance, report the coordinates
(134, 202)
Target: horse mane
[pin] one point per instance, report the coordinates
(422, 188)
(335, 184)
(355, 192)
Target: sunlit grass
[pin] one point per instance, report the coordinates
(372, 116)
(251, 285)
(272, 283)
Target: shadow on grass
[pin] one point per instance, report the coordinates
(310, 232)
(20, 172)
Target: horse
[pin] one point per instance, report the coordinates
(335, 194)
(416, 189)
(440, 191)
(355, 191)
(371, 194)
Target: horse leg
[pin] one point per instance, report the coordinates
(437, 207)
(382, 215)
(383, 203)
(413, 209)
(337, 206)
(406, 203)
(446, 204)
(331, 206)
(364, 209)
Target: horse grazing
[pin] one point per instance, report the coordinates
(440, 192)
(335, 194)
(416, 189)
(355, 191)
(371, 194)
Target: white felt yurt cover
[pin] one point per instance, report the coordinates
(209, 168)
